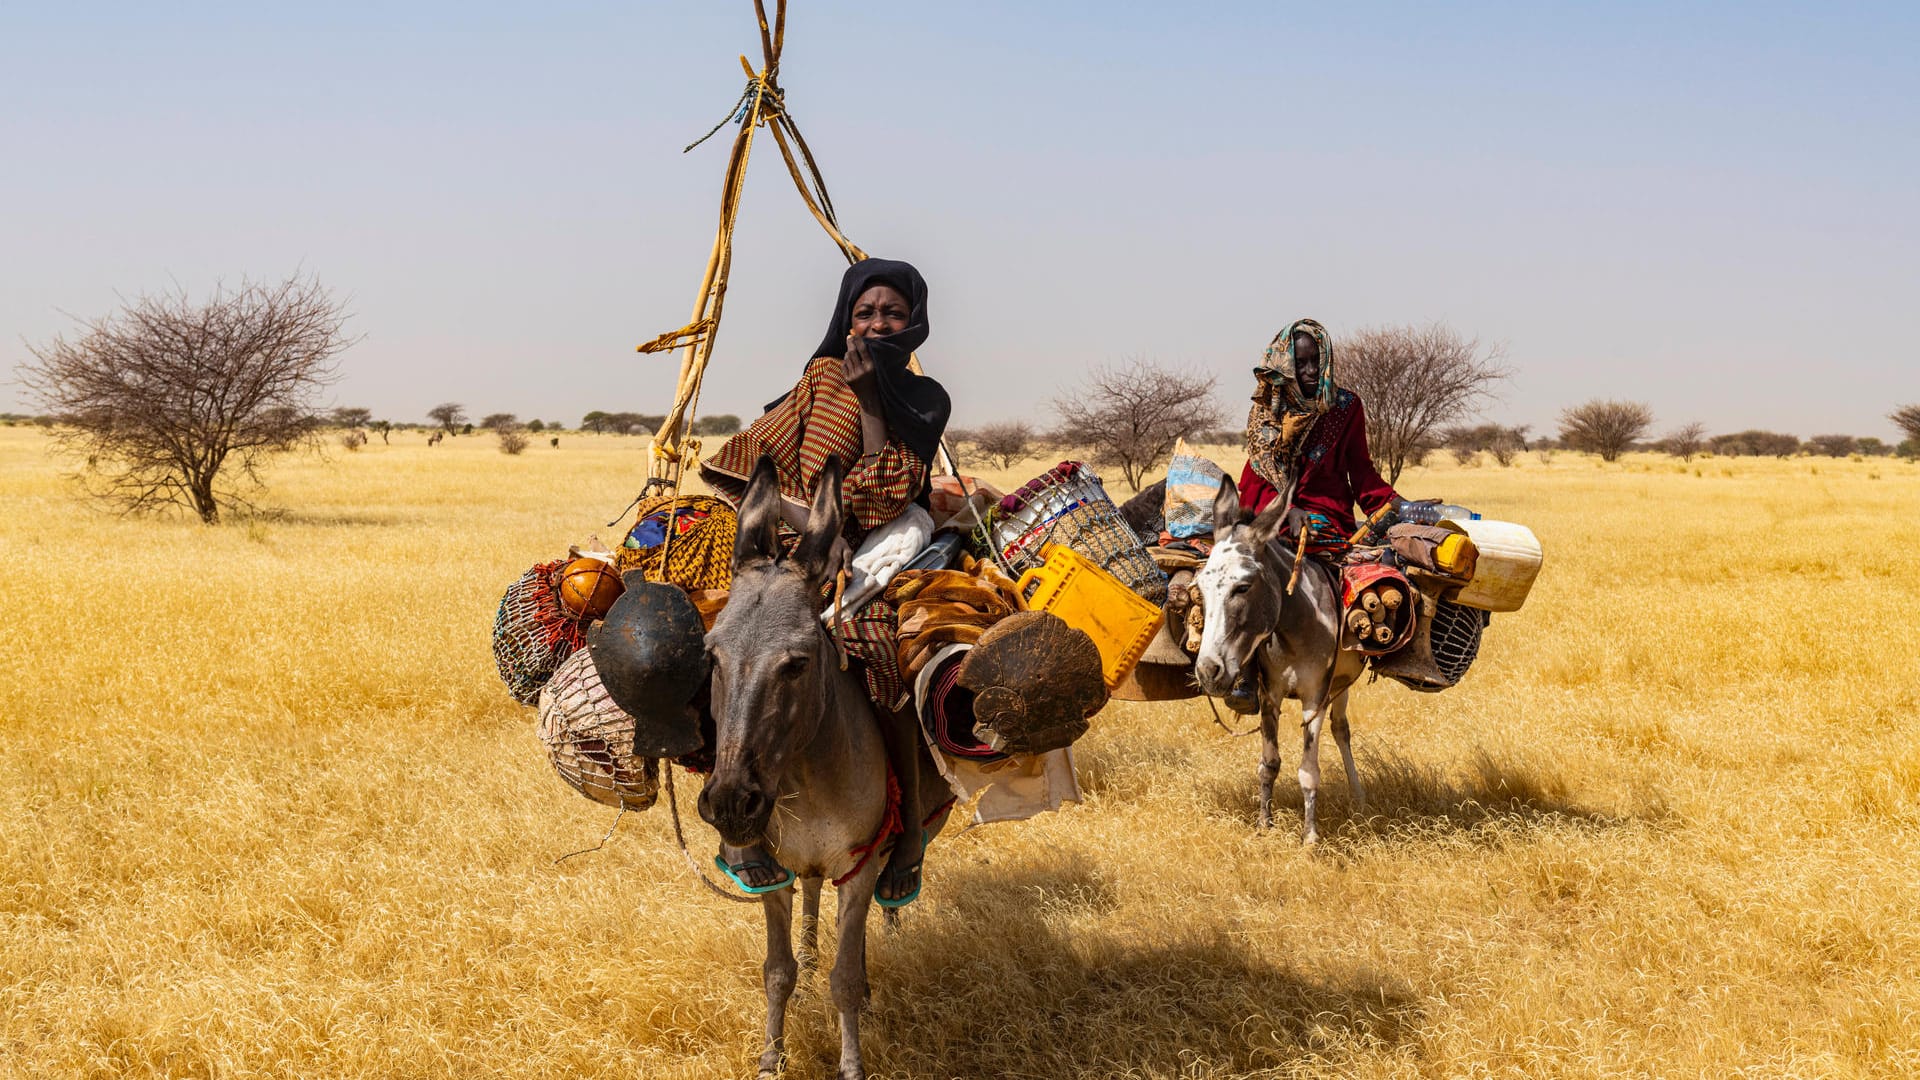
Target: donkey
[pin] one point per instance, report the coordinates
(1293, 637)
(796, 734)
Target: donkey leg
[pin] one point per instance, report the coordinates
(1310, 768)
(1343, 738)
(780, 972)
(849, 976)
(809, 923)
(1269, 758)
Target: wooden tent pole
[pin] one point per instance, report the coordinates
(673, 444)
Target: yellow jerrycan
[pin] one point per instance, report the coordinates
(1087, 598)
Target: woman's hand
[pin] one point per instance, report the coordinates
(857, 366)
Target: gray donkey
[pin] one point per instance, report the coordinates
(799, 763)
(1294, 638)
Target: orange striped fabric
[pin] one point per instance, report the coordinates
(818, 420)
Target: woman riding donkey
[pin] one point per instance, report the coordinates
(1307, 434)
(860, 404)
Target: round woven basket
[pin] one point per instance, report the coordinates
(590, 741)
(532, 633)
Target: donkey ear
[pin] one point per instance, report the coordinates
(1227, 511)
(758, 540)
(1267, 525)
(823, 524)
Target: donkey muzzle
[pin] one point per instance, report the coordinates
(740, 811)
(1215, 677)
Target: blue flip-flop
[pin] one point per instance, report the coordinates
(756, 890)
(902, 901)
(919, 870)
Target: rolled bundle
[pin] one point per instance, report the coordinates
(944, 607)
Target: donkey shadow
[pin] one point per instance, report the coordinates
(1401, 791)
(997, 984)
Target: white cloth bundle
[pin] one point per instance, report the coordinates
(889, 547)
(881, 555)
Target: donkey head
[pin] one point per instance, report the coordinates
(1241, 600)
(772, 660)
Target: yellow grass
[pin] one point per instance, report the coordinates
(266, 811)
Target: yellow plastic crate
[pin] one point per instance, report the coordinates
(1089, 599)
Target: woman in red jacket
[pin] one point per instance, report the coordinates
(1305, 430)
(1305, 426)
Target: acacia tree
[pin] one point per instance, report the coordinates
(1755, 444)
(1606, 428)
(1685, 441)
(449, 415)
(498, 421)
(168, 401)
(351, 418)
(1907, 419)
(1130, 415)
(1003, 443)
(1415, 380)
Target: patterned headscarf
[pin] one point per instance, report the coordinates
(1281, 416)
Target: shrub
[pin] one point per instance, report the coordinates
(1607, 428)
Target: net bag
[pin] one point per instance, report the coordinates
(590, 741)
(1068, 505)
(1444, 644)
(532, 633)
(1455, 638)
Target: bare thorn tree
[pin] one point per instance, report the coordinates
(1907, 419)
(449, 415)
(1415, 380)
(513, 438)
(1686, 440)
(1607, 428)
(1004, 443)
(1130, 415)
(168, 401)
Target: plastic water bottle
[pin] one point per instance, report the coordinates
(1426, 513)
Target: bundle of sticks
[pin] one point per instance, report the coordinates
(1378, 615)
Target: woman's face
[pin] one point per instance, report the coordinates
(879, 311)
(1306, 363)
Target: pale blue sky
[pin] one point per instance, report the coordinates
(1711, 208)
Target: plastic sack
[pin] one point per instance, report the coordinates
(1192, 482)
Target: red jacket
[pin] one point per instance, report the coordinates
(1338, 469)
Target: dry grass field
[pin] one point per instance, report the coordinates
(266, 812)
